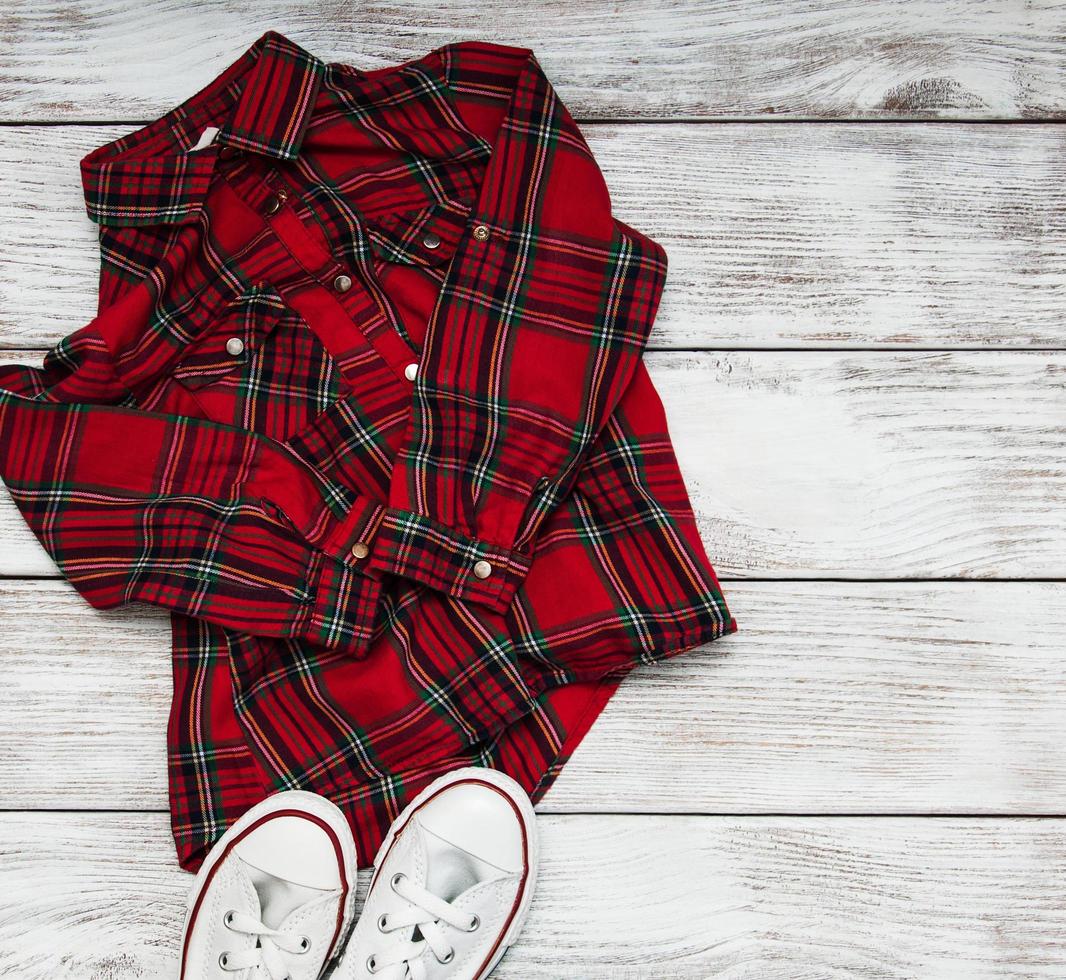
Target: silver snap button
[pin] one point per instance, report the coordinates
(275, 203)
(482, 569)
(410, 372)
(430, 240)
(342, 283)
(235, 346)
(481, 232)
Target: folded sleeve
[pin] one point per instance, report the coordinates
(513, 387)
(207, 519)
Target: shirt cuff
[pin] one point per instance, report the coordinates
(415, 547)
(341, 611)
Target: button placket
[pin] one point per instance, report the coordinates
(339, 279)
(316, 259)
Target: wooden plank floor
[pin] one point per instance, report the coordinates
(862, 352)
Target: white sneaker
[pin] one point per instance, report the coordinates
(274, 898)
(452, 883)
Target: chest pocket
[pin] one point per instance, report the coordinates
(231, 339)
(424, 237)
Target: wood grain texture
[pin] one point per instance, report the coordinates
(625, 898)
(883, 697)
(834, 464)
(777, 236)
(642, 58)
(832, 698)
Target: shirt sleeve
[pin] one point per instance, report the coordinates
(509, 397)
(207, 519)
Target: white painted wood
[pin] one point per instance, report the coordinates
(624, 898)
(855, 464)
(794, 236)
(873, 465)
(968, 59)
(832, 698)
(835, 697)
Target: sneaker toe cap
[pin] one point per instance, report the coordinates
(294, 848)
(480, 819)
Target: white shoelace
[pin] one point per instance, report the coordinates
(402, 959)
(266, 954)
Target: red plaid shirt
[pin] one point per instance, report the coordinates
(364, 407)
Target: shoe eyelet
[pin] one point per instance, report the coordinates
(371, 965)
(383, 923)
(227, 919)
(447, 959)
(396, 879)
(223, 961)
(475, 922)
(305, 944)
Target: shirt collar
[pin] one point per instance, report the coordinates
(263, 103)
(277, 100)
(153, 176)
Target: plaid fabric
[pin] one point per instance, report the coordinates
(364, 407)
